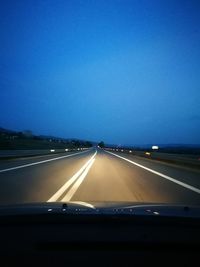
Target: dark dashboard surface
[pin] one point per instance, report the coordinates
(47, 235)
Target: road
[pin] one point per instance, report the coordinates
(96, 175)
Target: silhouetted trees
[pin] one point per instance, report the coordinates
(101, 144)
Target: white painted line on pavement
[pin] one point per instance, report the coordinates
(76, 185)
(59, 193)
(159, 173)
(40, 162)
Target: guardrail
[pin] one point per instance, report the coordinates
(4, 154)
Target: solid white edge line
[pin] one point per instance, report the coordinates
(76, 185)
(40, 162)
(59, 193)
(159, 173)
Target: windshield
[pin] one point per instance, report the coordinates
(99, 102)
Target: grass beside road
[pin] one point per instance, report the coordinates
(184, 160)
(193, 165)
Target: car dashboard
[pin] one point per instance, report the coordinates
(57, 233)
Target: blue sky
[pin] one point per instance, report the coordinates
(126, 72)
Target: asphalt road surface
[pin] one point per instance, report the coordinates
(96, 175)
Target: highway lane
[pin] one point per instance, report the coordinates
(97, 176)
(112, 178)
(38, 182)
(10, 163)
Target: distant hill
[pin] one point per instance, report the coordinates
(3, 130)
(66, 139)
(10, 139)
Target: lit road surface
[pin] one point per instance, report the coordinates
(96, 176)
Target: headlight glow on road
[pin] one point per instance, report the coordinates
(66, 149)
(52, 150)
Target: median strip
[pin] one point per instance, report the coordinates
(77, 179)
(40, 162)
(192, 188)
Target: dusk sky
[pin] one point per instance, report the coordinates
(126, 72)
